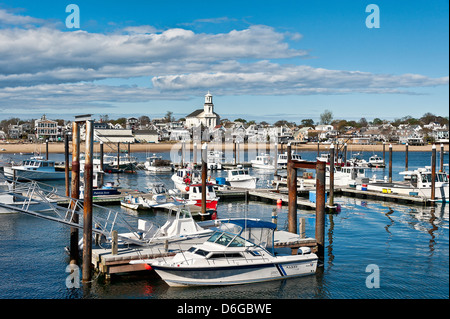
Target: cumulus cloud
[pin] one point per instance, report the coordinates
(41, 65)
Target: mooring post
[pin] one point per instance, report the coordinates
(406, 156)
(46, 149)
(195, 155)
(320, 208)
(331, 199)
(441, 158)
(390, 163)
(292, 187)
(75, 189)
(384, 153)
(118, 155)
(274, 216)
(87, 205)
(204, 173)
(318, 147)
(302, 226)
(275, 162)
(433, 172)
(345, 154)
(114, 242)
(66, 163)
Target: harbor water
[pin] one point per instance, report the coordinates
(373, 249)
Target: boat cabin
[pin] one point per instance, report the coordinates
(41, 165)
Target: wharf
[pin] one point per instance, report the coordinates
(107, 263)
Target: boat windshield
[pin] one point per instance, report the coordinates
(227, 240)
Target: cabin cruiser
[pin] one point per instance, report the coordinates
(215, 159)
(157, 165)
(263, 161)
(240, 177)
(419, 184)
(238, 252)
(282, 159)
(376, 161)
(34, 169)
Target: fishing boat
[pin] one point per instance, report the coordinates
(156, 164)
(263, 161)
(239, 252)
(419, 184)
(125, 162)
(240, 177)
(184, 177)
(195, 195)
(282, 159)
(34, 169)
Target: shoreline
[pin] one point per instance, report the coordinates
(58, 147)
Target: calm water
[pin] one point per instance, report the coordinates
(409, 244)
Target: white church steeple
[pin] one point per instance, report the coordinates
(208, 106)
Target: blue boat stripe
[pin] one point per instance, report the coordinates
(280, 270)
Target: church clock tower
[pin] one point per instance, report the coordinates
(208, 106)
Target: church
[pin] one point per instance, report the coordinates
(205, 116)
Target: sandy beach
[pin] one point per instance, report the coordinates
(16, 148)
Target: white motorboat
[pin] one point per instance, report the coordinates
(34, 169)
(376, 161)
(263, 161)
(215, 160)
(184, 177)
(126, 162)
(156, 164)
(239, 252)
(240, 177)
(419, 184)
(282, 159)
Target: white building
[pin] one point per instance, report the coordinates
(205, 116)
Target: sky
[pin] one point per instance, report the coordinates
(261, 60)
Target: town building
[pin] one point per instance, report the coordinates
(46, 129)
(206, 116)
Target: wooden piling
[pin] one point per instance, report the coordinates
(331, 197)
(46, 149)
(433, 172)
(320, 208)
(384, 153)
(87, 205)
(66, 164)
(345, 154)
(204, 173)
(75, 190)
(441, 158)
(390, 163)
(118, 155)
(292, 205)
(406, 156)
(302, 227)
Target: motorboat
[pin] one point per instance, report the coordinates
(376, 161)
(184, 177)
(125, 162)
(282, 159)
(263, 161)
(419, 184)
(135, 202)
(180, 225)
(34, 169)
(195, 194)
(240, 177)
(156, 164)
(215, 160)
(238, 252)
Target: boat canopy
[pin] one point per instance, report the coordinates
(257, 232)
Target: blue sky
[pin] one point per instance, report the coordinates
(262, 60)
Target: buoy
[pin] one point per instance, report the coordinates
(148, 267)
(187, 188)
(279, 202)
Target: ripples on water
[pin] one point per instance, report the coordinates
(409, 244)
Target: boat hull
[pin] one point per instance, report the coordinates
(32, 175)
(247, 183)
(182, 276)
(441, 192)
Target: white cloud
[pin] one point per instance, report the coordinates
(47, 67)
